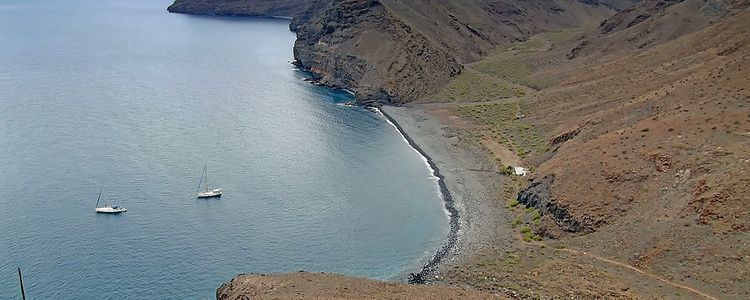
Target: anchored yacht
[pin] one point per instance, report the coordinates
(108, 208)
(208, 193)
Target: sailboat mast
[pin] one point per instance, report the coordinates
(20, 279)
(205, 170)
(100, 195)
(200, 181)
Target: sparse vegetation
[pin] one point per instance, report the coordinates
(507, 170)
(511, 69)
(525, 229)
(556, 37)
(529, 235)
(536, 215)
(475, 86)
(504, 126)
(514, 63)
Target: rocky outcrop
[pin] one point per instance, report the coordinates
(564, 137)
(538, 195)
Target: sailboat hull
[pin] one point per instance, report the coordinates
(210, 194)
(110, 210)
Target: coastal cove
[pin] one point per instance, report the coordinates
(132, 97)
(628, 119)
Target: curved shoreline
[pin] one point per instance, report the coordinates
(430, 267)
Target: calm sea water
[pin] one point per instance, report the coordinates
(125, 94)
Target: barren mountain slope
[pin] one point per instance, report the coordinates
(656, 159)
(468, 29)
(633, 30)
(651, 23)
(640, 158)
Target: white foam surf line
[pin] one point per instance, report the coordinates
(431, 266)
(408, 142)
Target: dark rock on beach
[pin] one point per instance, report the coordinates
(538, 195)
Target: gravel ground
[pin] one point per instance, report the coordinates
(469, 176)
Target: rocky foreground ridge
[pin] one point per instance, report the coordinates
(303, 285)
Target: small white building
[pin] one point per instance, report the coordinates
(520, 171)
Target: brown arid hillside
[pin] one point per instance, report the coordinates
(651, 23)
(657, 167)
(640, 157)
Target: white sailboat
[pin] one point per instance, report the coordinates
(108, 208)
(208, 193)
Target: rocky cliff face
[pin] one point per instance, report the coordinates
(361, 46)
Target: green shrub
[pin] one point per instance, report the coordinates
(536, 215)
(507, 170)
(528, 236)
